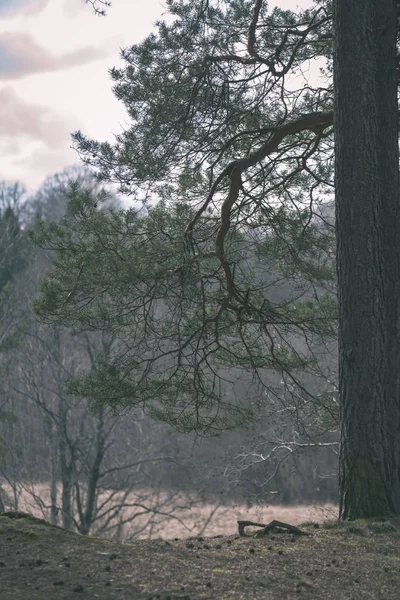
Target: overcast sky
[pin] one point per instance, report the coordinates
(54, 62)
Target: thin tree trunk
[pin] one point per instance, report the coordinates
(66, 467)
(66, 497)
(49, 428)
(368, 256)
(53, 484)
(93, 478)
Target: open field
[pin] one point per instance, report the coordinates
(190, 517)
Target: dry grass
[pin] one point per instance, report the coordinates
(224, 519)
(188, 515)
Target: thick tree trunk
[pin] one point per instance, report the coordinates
(368, 255)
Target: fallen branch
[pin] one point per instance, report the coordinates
(268, 528)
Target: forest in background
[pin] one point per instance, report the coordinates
(80, 466)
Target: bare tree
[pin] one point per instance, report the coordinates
(99, 482)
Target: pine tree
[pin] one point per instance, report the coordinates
(235, 143)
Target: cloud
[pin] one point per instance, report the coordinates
(34, 140)
(37, 164)
(21, 55)
(11, 8)
(42, 162)
(22, 122)
(72, 8)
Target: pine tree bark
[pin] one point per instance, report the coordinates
(368, 256)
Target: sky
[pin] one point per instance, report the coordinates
(55, 57)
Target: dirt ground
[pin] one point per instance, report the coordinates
(354, 561)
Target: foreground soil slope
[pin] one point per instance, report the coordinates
(341, 562)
